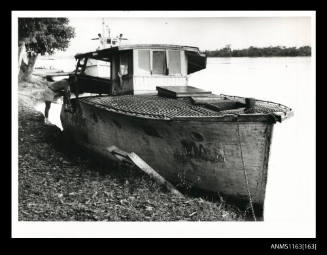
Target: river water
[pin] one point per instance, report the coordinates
(290, 194)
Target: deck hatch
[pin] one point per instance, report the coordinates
(181, 91)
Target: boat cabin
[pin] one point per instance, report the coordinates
(135, 69)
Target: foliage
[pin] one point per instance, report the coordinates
(261, 52)
(45, 35)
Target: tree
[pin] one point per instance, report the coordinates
(305, 51)
(261, 52)
(41, 36)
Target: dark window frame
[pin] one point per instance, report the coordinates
(129, 67)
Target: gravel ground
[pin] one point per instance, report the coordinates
(58, 182)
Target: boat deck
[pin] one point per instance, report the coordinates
(157, 107)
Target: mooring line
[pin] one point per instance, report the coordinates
(245, 175)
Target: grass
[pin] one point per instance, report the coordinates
(59, 182)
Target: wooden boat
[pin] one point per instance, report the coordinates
(217, 143)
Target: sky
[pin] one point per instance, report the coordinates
(207, 33)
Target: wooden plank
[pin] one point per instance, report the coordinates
(141, 164)
(118, 153)
(152, 173)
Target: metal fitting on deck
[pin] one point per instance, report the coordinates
(249, 103)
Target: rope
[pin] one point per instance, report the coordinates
(245, 175)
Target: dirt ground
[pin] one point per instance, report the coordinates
(59, 182)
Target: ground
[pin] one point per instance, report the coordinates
(59, 182)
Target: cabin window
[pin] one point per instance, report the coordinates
(124, 63)
(144, 61)
(98, 68)
(159, 62)
(174, 62)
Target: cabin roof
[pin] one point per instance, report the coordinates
(109, 51)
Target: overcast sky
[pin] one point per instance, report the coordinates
(208, 33)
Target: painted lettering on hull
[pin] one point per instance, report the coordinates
(198, 151)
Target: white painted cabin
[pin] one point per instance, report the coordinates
(138, 69)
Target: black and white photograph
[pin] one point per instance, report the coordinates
(164, 124)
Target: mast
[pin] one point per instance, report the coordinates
(105, 35)
(105, 39)
(103, 28)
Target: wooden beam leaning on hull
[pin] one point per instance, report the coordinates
(141, 164)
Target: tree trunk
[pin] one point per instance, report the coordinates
(26, 70)
(21, 53)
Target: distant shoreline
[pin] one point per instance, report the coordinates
(277, 51)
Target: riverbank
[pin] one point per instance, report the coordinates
(277, 51)
(58, 182)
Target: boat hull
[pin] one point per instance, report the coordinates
(217, 156)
